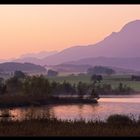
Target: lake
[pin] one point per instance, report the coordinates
(108, 105)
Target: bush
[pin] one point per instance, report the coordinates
(119, 119)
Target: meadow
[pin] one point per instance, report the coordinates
(114, 80)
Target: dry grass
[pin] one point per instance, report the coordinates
(53, 127)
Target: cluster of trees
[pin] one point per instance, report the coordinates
(106, 89)
(39, 85)
(100, 70)
(123, 88)
(20, 83)
(135, 78)
(63, 88)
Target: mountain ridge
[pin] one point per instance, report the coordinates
(124, 43)
(117, 44)
(126, 63)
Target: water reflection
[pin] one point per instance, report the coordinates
(5, 115)
(105, 108)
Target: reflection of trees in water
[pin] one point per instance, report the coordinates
(76, 111)
(94, 107)
(80, 112)
(46, 112)
(18, 113)
(35, 112)
(26, 113)
(66, 112)
(52, 112)
(95, 110)
(30, 113)
(88, 111)
(5, 115)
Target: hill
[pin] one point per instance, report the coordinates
(25, 67)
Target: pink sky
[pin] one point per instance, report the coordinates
(35, 28)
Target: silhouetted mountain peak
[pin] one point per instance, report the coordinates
(133, 26)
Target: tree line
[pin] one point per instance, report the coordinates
(21, 83)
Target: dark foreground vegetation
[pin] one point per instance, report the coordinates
(116, 125)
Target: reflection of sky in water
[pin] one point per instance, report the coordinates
(102, 110)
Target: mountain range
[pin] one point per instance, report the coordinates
(121, 47)
(131, 63)
(125, 43)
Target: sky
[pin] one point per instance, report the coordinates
(34, 28)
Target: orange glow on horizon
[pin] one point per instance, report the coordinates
(35, 28)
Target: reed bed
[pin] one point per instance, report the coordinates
(116, 125)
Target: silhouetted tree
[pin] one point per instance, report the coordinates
(96, 78)
(135, 78)
(94, 94)
(120, 87)
(19, 74)
(2, 86)
(109, 71)
(14, 85)
(82, 89)
(52, 73)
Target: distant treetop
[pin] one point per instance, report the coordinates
(100, 70)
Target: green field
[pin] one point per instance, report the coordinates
(114, 80)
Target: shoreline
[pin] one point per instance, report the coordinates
(41, 101)
(14, 101)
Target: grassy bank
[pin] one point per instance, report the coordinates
(115, 126)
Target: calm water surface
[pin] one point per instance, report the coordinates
(107, 106)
